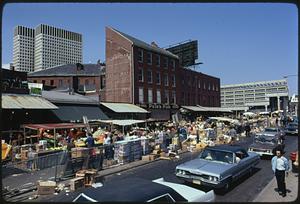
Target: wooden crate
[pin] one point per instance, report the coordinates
(153, 156)
(46, 187)
(76, 183)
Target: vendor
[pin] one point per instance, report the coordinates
(90, 140)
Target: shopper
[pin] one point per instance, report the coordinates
(247, 129)
(280, 167)
(90, 141)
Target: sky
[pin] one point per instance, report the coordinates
(237, 42)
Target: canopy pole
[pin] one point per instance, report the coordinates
(54, 138)
(24, 135)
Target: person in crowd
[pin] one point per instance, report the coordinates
(247, 129)
(107, 143)
(30, 159)
(90, 141)
(280, 167)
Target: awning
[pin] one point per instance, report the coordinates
(123, 122)
(51, 126)
(73, 113)
(20, 101)
(206, 109)
(224, 119)
(124, 108)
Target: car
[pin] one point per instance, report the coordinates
(277, 131)
(291, 129)
(218, 166)
(135, 189)
(265, 143)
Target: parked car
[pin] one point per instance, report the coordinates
(265, 143)
(277, 131)
(295, 162)
(218, 166)
(138, 190)
(291, 129)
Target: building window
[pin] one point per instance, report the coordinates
(141, 95)
(199, 84)
(34, 81)
(150, 96)
(204, 86)
(149, 58)
(157, 60)
(209, 86)
(173, 81)
(140, 55)
(173, 98)
(86, 82)
(213, 87)
(157, 78)
(141, 74)
(165, 63)
(172, 63)
(51, 82)
(43, 82)
(60, 82)
(158, 96)
(166, 80)
(149, 76)
(217, 89)
(166, 97)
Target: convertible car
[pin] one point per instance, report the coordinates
(134, 189)
(218, 166)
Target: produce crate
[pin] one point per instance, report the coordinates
(76, 183)
(46, 187)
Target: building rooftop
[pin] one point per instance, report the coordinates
(70, 70)
(65, 97)
(145, 45)
(280, 82)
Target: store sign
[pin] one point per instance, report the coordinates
(158, 106)
(35, 89)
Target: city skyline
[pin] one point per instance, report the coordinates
(235, 42)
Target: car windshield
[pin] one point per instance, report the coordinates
(266, 139)
(217, 155)
(271, 130)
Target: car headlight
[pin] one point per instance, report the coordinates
(250, 149)
(211, 178)
(183, 172)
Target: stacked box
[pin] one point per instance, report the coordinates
(76, 183)
(128, 151)
(46, 187)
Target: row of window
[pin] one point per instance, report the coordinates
(166, 96)
(157, 77)
(192, 99)
(149, 59)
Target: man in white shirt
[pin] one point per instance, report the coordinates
(280, 167)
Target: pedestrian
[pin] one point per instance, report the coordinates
(90, 141)
(280, 167)
(247, 129)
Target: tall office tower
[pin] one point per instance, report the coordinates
(23, 49)
(55, 46)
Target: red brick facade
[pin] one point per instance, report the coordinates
(66, 81)
(127, 73)
(118, 54)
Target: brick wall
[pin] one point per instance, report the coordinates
(118, 54)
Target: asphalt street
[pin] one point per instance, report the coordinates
(245, 190)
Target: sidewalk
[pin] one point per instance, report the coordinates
(268, 194)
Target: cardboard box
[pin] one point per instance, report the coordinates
(76, 183)
(79, 152)
(184, 147)
(111, 162)
(156, 151)
(24, 154)
(153, 156)
(89, 178)
(163, 154)
(39, 147)
(145, 158)
(80, 173)
(46, 187)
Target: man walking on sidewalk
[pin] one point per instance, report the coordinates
(280, 167)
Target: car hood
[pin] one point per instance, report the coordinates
(204, 166)
(263, 145)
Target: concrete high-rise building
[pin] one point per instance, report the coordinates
(23, 49)
(55, 46)
(263, 95)
(45, 47)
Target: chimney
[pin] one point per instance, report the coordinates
(154, 44)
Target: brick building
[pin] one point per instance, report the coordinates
(84, 79)
(151, 77)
